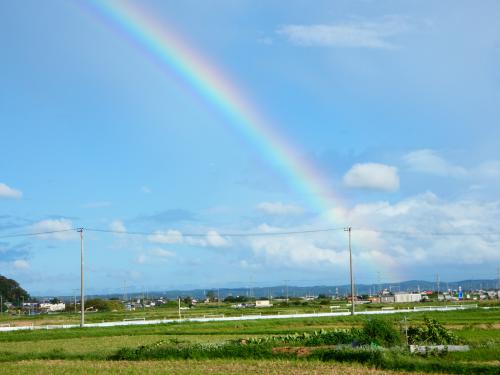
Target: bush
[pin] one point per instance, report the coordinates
(432, 332)
(380, 332)
(103, 304)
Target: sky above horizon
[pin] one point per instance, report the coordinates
(395, 103)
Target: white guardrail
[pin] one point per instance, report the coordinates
(143, 321)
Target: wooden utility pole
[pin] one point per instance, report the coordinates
(349, 229)
(82, 292)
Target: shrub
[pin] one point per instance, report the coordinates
(432, 332)
(103, 304)
(380, 332)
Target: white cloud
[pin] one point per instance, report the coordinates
(354, 34)
(21, 264)
(212, 239)
(117, 226)
(396, 238)
(428, 161)
(296, 250)
(168, 237)
(146, 190)
(8, 192)
(154, 256)
(162, 253)
(278, 208)
(372, 176)
(63, 229)
(407, 228)
(489, 169)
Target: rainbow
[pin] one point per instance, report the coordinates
(170, 51)
(168, 48)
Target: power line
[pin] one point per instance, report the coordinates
(37, 233)
(416, 234)
(259, 234)
(222, 234)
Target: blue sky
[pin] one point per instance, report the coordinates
(396, 102)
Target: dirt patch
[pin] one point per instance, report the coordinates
(300, 351)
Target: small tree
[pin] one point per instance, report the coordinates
(432, 332)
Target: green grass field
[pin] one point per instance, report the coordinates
(89, 350)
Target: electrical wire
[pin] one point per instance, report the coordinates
(37, 233)
(222, 234)
(259, 234)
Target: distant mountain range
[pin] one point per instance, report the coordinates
(329, 290)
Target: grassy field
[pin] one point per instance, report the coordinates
(170, 311)
(189, 367)
(89, 350)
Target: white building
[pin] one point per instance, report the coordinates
(403, 297)
(263, 303)
(52, 307)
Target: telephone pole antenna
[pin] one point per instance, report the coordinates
(349, 229)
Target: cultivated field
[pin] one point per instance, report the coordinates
(217, 347)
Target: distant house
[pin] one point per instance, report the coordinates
(53, 307)
(403, 297)
(263, 303)
(387, 298)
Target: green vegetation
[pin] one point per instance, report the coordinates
(104, 305)
(432, 332)
(309, 342)
(11, 291)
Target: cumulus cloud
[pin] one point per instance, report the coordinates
(489, 169)
(162, 253)
(154, 256)
(211, 239)
(167, 237)
(8, 192)
(278, 208)
(62, 228)
(21, 264)
(357, 34)
(117, 226)
(405, 231)
(296, 250)
(415, 234)
(429, 161)
(372, 176)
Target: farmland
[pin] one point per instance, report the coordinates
(215, 347)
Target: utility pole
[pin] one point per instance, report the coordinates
(349, 229)
(286, 288)
(379, 282)
(82, 293)
(437, 284)
(179, 308)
